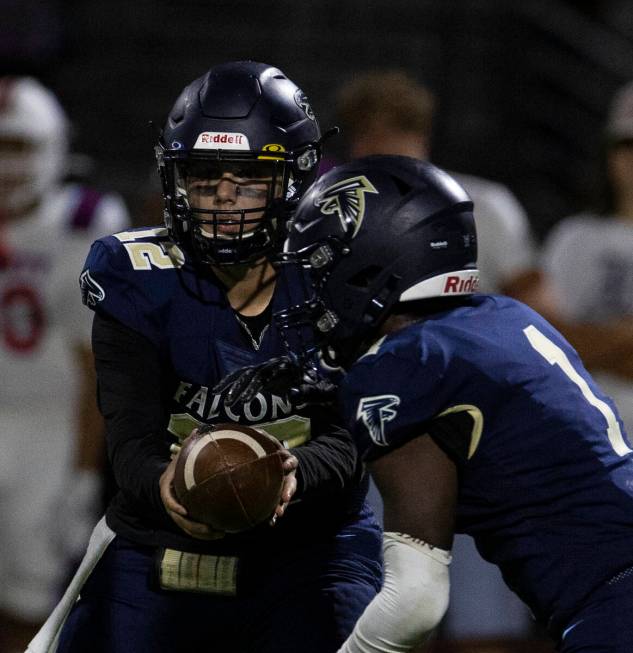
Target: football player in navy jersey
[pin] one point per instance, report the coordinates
(473, 413)
(176, 309)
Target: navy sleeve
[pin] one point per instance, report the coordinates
(114, 285)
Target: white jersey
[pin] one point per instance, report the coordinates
(589, 262)
(42, 320)
(504, 241)
(40, 302)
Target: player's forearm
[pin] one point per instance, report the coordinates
(90, 436)
(137, 469)
(328, 464)
(130, 401)
(411, 603)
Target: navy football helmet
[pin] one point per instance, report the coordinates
(250, 120)
(376, 232)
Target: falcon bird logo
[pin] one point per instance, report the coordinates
(346, 199)
(302, 102)
(91, 292)
(375, 412)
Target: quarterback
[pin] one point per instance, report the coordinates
(177, 308)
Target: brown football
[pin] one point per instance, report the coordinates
(229, 476)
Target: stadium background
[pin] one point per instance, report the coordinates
(522, 86)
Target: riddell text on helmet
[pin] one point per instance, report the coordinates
(222, 140)
(456, 284)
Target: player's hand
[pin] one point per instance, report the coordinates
(290, 464)
(178, 512)
(284, 375)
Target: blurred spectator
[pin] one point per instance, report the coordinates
(588, 260)
(388, 112)
(150, 204)
(50, 430)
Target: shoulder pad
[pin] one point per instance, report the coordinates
(121, 277)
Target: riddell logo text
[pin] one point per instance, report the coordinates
(221, 138)
(456, 284)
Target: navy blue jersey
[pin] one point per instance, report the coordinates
(546, 472)
(140, 279)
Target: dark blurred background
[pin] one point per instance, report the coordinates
(523, 85)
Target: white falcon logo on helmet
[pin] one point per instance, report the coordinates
(375, 412)
(346, 199)
(302, 102)
(91, 292)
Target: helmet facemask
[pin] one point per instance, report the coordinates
(369, 295)
(227, 209)
(232, 207)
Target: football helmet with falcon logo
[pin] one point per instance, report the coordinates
(375, 232)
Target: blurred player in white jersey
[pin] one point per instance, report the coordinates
(588, 259)
(388, 112)
(50, 430)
